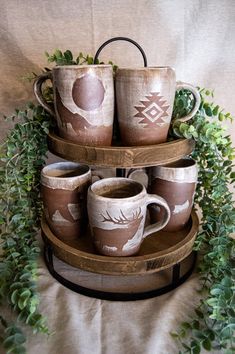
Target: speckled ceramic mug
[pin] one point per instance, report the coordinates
(145, 98)
(176, 183)
(64, 188)
(83, 102)
(117, 212)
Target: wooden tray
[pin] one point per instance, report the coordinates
(158, 251)
(121, 156)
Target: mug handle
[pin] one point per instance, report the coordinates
(156, 199)
(185, 86)
(96, 174)
(37, 88)
(131, 175)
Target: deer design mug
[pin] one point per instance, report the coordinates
(117, 212)
(83, 102)
(145, 98)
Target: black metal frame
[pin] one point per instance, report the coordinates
(114, 39)
(105, 295)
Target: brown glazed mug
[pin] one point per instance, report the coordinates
(145, 98)
(83, 102)
(64, 188)
(117, 212)
(176, 183)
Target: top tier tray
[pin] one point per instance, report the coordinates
(120, 156)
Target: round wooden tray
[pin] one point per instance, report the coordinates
(121, 156)
(158, 251)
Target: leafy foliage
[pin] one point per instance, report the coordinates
(214, 322)
(22, 156)
(66, 58)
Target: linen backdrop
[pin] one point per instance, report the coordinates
(196, 37)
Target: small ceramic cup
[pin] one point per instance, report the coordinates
(83, 102)
(176, 183)
(64, 188)
(117, 212)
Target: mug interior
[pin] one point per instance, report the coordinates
(116, 188)
(65, 169)
(182, 163)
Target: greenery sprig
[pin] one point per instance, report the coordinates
(22, 157)
(23, 152)
(214, 321)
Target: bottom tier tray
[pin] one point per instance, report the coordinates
(159, 251)
(164, 261)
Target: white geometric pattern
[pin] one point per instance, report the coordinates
(153, 112)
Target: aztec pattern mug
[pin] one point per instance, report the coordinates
(145, 98)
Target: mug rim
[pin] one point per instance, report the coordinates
(56, 165)
(170, 166)
(178, 174)
(146, 68)
(82, 66)
(117, 179)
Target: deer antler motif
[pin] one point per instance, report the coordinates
(122, 220)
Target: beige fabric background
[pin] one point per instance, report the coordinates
(194, 36)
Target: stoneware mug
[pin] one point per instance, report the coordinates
(117, 212)
(145, 98)
(83, 102)
(176, 183)
(64, 188)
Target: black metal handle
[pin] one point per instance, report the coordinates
(121, 39)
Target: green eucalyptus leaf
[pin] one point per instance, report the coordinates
(206, 343)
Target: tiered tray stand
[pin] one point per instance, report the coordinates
(164, 261)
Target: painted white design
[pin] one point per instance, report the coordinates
(109, 248)
(153, 112)
(134, 241)
(74, 211)
(181, 207)
(58, 218)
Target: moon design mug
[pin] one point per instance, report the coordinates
(145, 98)
(176, 183)
(117, 212)
(64, 188)
(83, 102)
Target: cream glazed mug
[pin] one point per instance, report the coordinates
(117, 211)
(176, 183)
(64, 188)
(144, 99)
(83, 102)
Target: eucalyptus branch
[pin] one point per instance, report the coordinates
(215, 315)
(22, 157)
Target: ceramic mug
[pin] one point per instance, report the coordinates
(145, 98)
(117, 212)
(83, 102)
(176, 183)
(64, 188)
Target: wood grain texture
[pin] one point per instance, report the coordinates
(158, 251)
(126, 284)
(120, 156)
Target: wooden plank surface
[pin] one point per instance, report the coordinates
(120, 156)
(158, 251)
